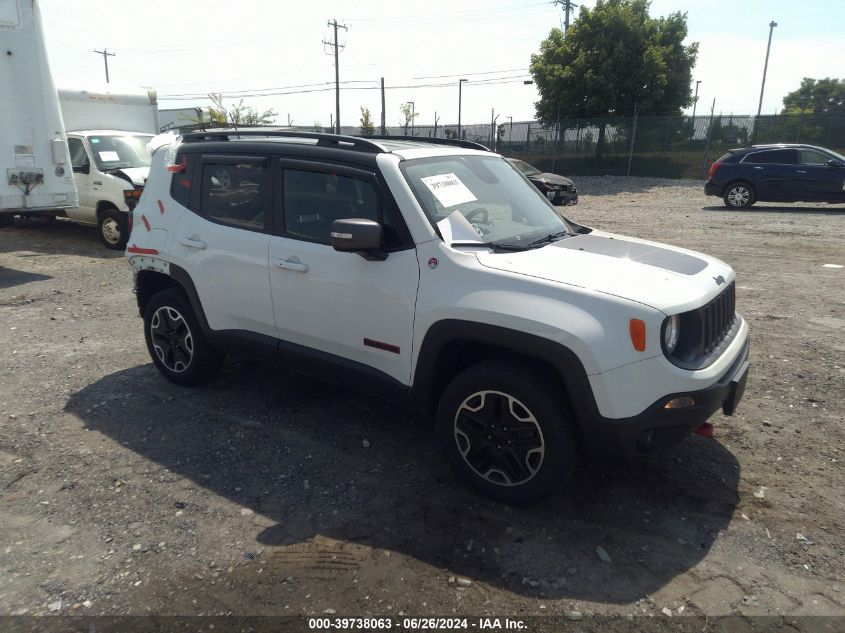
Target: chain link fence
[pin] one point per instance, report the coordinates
(657, 146)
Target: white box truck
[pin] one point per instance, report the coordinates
(108, 132)
(35, 172)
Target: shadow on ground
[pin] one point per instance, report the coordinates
(53, 237)
(9, 277)
(293, 450)
(757, 208)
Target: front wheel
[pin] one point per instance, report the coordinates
(175, 341)
(739, 195)
(112, 229)
(507, 431)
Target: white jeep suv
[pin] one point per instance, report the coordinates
(432, 272)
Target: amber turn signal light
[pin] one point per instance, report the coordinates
(637, 329)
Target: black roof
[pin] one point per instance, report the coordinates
(369, 144)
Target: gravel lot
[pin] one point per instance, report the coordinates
(267, 493)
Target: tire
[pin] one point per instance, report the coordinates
(739, 195)
(112, 229)
(474, 426)
(175, 340)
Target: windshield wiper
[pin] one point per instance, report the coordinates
(494, 245)
(551, 237)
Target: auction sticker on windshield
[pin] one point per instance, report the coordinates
(448, 189)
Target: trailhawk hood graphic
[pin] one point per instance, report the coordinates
(663, 277)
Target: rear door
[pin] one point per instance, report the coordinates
(222, 241)
(340, 303)
(773, 173)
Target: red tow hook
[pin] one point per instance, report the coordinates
(705, 430)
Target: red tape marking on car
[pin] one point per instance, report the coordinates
(146, 222)
(141, 251)
(161, 207)
(387, 347)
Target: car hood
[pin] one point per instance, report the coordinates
(136, 175)
(664, 277)
(554, 179)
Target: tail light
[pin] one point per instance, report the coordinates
(713, 169)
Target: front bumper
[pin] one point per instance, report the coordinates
(659, 427)
(712, 189)
(564, 198)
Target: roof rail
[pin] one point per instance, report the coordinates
(435, 141)
(323, 140)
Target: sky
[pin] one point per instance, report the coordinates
(271, 53)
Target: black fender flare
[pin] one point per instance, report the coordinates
(565, 363)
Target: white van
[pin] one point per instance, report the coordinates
(35, 173)
(108, 134)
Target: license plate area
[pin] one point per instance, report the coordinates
(737, 389)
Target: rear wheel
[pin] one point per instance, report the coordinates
(112, 229)
(507, 431)
(175, 341)
(739, 195)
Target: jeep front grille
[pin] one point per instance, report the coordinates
(717, 317)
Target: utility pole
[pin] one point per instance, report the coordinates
(510, 134)
(337, 48)
(105, 53)
(567, 6)
(772, 26)
(695, 101)
(460, 81)
(436, 119)
(383, 121)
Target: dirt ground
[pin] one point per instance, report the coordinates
(268, 493)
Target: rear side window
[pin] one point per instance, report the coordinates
(774, 156)
(234, 194)
(813, 157)
(180, 186)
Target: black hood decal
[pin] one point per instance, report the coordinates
(640, 253)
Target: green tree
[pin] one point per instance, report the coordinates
(816, 95)
(239, 115)
(408, 115)
(614, 58)
(367, 127)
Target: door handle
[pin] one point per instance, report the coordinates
(758, 168)
(801, 171)
(287, 264)
(190, 242)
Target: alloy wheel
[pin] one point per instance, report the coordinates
(499, 438)
(171, 338)
(739, 196)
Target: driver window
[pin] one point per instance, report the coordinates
(78, 156)
(812, 157)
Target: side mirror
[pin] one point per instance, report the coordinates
(834, 163)
(357, 235)
(82, 169)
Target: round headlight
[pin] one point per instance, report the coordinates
(671, 333)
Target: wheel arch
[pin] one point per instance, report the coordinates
(148, 282)
(105, 205)
(450, 346)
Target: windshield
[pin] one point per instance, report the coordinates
(481, 199)
(120, 152)
(524, 167)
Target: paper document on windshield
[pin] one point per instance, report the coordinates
(456, 228)
(109, 156)
(448, 189)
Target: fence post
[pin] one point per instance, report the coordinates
(528, 137)
(709, 134)
(557, 138)
(633, 138)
